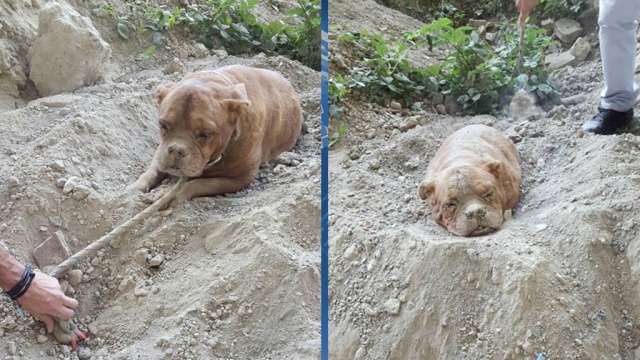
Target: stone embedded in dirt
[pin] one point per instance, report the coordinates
(174, 66)
(126, 284)
(561, 60)
(75, 277)
(41, 339)
(392, 306)
(52, 251)
(580, 49)
(573, 100)
(441, 109)
(351, 252)
(84, 353)
(396, 105)
(200, 51)
(288, 158)
(80, 192)
(68, 52)
(567, 30)
(57, 165)
(12, 348)
(141, 256)
(410, 123)
(437, 99)
(13, 182)
(450, 104)
(70, 184)
(60, 183)
(547, 24)
(156, 261)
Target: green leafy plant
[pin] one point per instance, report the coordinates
(476, 74)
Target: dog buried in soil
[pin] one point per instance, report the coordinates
(218, 126)
(472, 180)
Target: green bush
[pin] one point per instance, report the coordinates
(229, 24)
(477, 75)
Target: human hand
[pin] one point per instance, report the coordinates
(44, 299)
(525, 7)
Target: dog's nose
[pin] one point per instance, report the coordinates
(475, 211)
(177, 150)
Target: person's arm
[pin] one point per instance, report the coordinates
(10, 270)
(525, 7)
(44, 297)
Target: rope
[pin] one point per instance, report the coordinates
(63, 329)
(92, 248)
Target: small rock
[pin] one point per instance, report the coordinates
(57, 165)
(540, 227)
(80, 192)
(60, 183)
(200, 51)
(175, 66)
(84, 353)
(396, 105)
(392, 306)
(350, 253)
(441, 109)
(141, 256)
(410, 123)
(141, 292)
(52, 251)
(547, 24)
(578, 342)
(75, 277)
(42, 339)
(8, 323)
(71, 183)
(156, 261)
(13, 348)
(437, 99)
(13, 182)
(126, 284)
(527, 347)
(580, 49)
(93, 329)
(561, 60)
(567, 30)
(574, 100)
(450, 104)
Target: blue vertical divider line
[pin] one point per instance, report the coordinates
(324, 183)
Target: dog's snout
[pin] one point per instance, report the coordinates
(177, 150)
(475, 211)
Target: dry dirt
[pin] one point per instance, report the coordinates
(240, 277)
(558, 281)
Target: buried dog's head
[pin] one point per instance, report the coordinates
(467, 200)
(197, 121)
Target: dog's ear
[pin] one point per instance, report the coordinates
(163, 91)
(234, 98)
(493, 167)
(426, 188)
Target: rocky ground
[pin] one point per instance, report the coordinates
(229, 277)
(558, 281)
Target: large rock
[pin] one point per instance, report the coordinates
(68, 52)
(52, 251)
(567, 30)
(581, 49)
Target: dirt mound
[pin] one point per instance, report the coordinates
(238, 274)
(559, 279)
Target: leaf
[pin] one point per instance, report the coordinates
(123, 30)
(224, 34)
(158, 38)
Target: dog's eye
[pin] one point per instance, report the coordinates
(490, 195)
(450, 206)
(202, 136)
(164, 126)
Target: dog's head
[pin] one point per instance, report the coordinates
(467, 200)
(197, 121)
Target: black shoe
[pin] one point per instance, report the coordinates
(606, 122)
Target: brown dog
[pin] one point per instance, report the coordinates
(219, 126)
(473, 178)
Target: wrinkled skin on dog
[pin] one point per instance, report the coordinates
(472, 180)
(217, 127)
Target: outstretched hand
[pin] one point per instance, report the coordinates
(44, 299)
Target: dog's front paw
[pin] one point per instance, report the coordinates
(140, 185)
(176, 200)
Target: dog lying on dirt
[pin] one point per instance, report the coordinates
(217, 127)
(472, 180)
